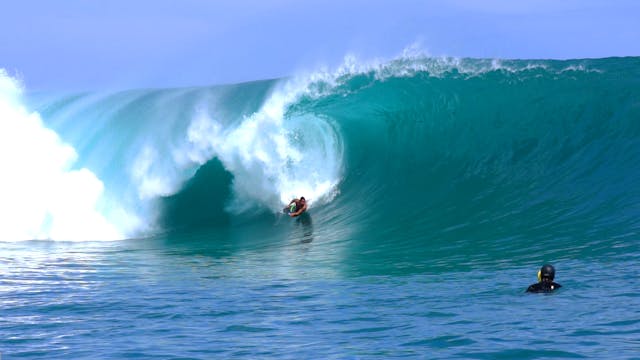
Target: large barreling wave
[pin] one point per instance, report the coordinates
(439, 148)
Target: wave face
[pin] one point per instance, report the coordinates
(469, 161)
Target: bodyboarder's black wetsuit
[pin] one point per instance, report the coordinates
(543, 287)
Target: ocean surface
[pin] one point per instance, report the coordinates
(147, 223)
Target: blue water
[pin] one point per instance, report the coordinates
(437, 189)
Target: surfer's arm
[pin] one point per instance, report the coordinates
(298, 212)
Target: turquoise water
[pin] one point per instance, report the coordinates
(437, 189)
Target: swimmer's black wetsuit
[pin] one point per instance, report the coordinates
(543, 287)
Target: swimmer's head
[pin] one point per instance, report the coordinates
(546, 272)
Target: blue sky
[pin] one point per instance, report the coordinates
(92, 44)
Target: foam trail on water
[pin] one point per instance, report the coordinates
(43, 196)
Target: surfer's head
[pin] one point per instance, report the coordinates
(546, 272)
(303, 199)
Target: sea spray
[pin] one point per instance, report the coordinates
(43, 195)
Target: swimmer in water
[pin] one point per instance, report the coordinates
(545, 281)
